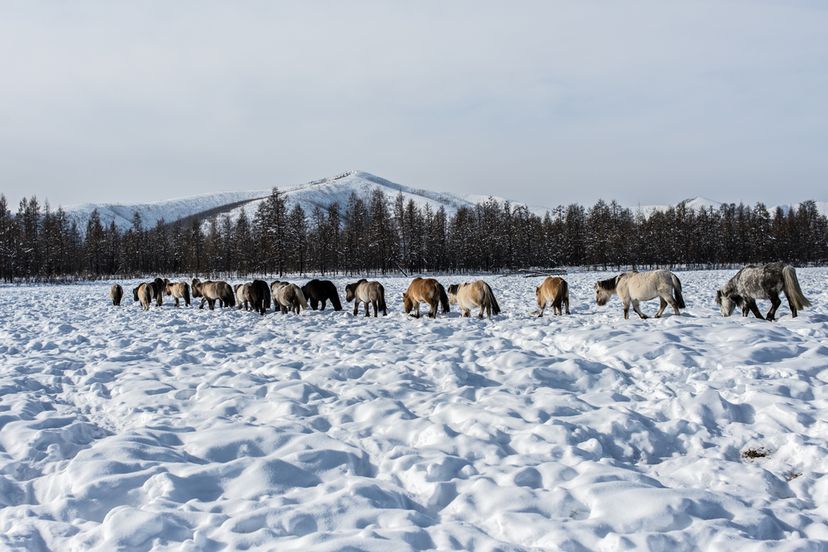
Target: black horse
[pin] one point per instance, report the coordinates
(321, 291)
(762, 282)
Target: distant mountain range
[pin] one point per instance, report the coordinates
(316, 193)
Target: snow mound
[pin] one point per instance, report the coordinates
(188, 429)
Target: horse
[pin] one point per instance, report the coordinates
(762, 282)
(242, 292)
(144, 294)
(633, 287)
(116, 292)
(370, 293)
(210, 292)
(554, 291)
(425, 290)
(259, 296)
(179, 290)
(158, 291)
(475, 294)
(288, 297)
(321, 291)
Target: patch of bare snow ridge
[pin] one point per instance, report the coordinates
(188, 429)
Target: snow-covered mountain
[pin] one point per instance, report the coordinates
(320, 193)
(324, 192)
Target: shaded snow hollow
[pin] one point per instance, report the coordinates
(187, 429)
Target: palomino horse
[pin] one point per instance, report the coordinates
(425, 290)
(633, 287)
(210, 292)
(179, 290)
(288, 297)
(321, 291)
(144, 293)
(762, 282)
(370, 293)
(554, 291)
(116, 292)
(472, 295)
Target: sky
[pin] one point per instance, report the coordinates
(541, 102)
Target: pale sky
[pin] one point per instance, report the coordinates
(541, 102)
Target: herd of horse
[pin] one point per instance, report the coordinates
(750, 284)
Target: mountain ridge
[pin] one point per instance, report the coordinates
(321, 192)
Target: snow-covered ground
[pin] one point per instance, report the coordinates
(187, 429)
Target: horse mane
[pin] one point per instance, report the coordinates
(609, 284)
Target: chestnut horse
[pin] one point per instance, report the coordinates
(425, 290)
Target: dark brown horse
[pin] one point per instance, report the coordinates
(321, 291)
(116, 292)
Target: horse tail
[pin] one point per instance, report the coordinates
(443, 297)
(491, 298)
(135, 294)
(383, 306)
(187, 294)
(792, 289)
(301, 298)
(229, 297)
(563, 294)
(335, 300)
(677, 291)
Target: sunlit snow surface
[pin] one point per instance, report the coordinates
(187, 429)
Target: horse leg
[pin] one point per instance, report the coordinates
(754, 308)
(367, 308)
(626, 303)
(203, 300)
(790, 305)
(211, 303)
(323, 304)
(775, 302)
(433, 312)
(637, 310)
(416, 309)
(482, 310)
(662, 305)
(542, 308)
(566, 302)
(356, 307)
(176, 301)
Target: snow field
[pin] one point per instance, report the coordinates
(188, 429)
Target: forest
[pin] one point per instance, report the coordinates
(381, 235)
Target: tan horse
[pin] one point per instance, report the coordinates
(370, 293)
(178, 290)
(210, 292)
(472, 295)
(554, 291)
(144, 294)
(288, 297)
(116, 292)
(243, 296)
(425, 290)
(634, 287)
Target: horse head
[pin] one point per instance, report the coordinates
(350, 292)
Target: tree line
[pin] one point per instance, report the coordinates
(378, 234)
